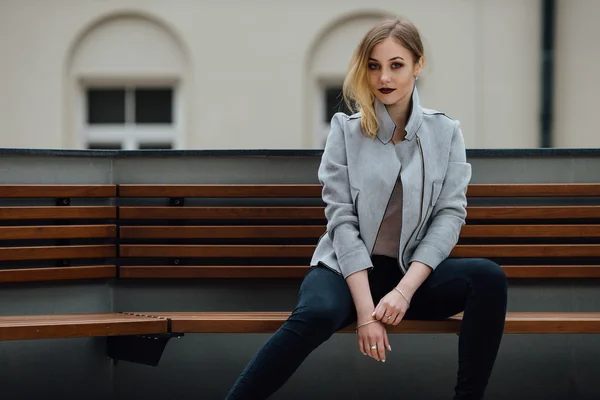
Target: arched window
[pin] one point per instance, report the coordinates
(127, 75)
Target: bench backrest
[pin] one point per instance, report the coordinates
(184, 231)
(57, 232)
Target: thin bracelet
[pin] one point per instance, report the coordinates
(366, 323)
(402, 294)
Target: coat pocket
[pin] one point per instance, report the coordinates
(436, 189)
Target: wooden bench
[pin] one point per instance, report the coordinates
(260, 231)
(269, 231)
(57, 232)
(67, 232)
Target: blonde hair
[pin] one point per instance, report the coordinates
(357, 94)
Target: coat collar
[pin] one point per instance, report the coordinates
(387, 126)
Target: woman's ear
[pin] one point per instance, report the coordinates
(419, 66)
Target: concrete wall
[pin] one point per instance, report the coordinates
(250, 74)
(56, 368)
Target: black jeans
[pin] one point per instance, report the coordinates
(476, 286)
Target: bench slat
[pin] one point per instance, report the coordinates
(530, 250)
(231, 232)
(318, 213)
(290, 251)
(24, 327)
(532, 212)
(315, 231)
(224, 191)
(57, 191)
(269, 322)
(534, 190)
(57, 252)
(57, 232)
(51, 212)
(58, 273)
(222, 212)
(530, 231)
(184, 251)
(314, 190)
(298, 271)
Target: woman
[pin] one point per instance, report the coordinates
(394, 179)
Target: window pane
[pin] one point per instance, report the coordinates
(106, 106)
(155, 146)
(104, 146)
(154, 106)
(334, 102)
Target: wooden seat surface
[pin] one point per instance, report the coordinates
(26, 327)
(269, 322)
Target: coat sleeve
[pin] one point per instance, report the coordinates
(342, 221)
(450, 210)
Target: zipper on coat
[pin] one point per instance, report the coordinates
(401, 258)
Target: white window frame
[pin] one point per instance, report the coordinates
(130, 135)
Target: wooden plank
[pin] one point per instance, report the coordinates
(269, 322)
(57, 191)
(221, 271)
(315, 231)
(186, 251)
(57, 232)
(533, 212)
(552, 271)
(315, 190)
(51, 212)
(58, 274)
(298, 271)
(224, 191)
(27, 327)
(57, 252)
(318, 213)
(258, 251)
(527, 250)
(530, 231)
(229, 232)
(534, 190)
(263, 213)
(551, 322)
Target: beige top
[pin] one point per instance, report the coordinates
(388, 239)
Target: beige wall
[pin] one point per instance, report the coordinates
(250, 71)
(577, 76)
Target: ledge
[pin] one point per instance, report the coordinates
(546, 152)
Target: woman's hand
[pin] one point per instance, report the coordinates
(391, 308)
(373, 340)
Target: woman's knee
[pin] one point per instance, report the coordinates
(320, 319)
(484, 273)
(487, 274)
(325, 300)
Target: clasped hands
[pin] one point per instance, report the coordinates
(372, 335)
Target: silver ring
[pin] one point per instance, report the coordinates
(374, 347)
(389, 316)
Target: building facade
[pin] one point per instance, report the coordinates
(266, 74)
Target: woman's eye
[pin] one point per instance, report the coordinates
(397, 65)
(372, 66)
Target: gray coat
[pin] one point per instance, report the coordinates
(358, 175)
